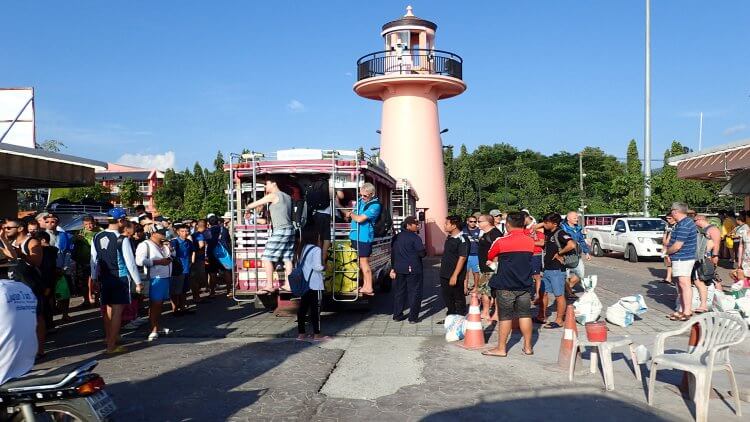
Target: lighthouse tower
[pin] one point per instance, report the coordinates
(409, 77)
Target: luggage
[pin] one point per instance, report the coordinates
(344, 259)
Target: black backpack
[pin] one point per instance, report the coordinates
(383, 225)
(317, 195)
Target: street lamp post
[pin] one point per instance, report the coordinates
(647, 118)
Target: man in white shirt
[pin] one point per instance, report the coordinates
(157, 261)
(18, 343)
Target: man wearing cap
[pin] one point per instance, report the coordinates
(407, 251)
(497, 215)
(112, 268)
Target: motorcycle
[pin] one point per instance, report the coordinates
(68, 393)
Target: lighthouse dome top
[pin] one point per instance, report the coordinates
(409, 20)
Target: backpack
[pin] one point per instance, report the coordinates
(297, 280)
(317, 196)
(383, 225)
(705, 268)
(572, 258)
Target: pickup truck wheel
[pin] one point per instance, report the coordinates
(597, 248)
(632, 254)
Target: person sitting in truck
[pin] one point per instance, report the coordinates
(575, 275)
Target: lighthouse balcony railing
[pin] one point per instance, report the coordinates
(410, 62)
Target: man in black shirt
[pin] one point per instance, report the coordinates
(407, 251)
(554, 271)
(453, 267)
(489, 234)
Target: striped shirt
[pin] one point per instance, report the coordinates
(686, 232)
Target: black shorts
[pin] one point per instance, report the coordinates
(513, 304)
(115, 290)
(322, 223)
(364, 249)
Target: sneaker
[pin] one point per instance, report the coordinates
(153, 336)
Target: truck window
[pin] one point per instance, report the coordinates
(620, 226)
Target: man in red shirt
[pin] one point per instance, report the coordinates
(513, 282)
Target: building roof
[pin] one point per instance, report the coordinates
(24, 168)
(720, 162)
(119, 171)
(409, 20)
(51, 156)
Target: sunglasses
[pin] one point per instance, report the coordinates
(472, 221)
(10, 227)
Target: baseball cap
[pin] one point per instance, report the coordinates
(495, 213)
(117, 213)
(210, 215)
(41, 216)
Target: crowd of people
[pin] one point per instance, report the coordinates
(134, 261)
(509, 260)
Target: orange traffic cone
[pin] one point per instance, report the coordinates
(570, 331)
(473, 331)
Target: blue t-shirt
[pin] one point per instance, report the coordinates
(200, 254)
(367, 228)
(183, 249)
(473, 235)
(686, 232)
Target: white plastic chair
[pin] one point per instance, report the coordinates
(718, 331)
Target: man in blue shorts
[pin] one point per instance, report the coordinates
(112, 269)
(363, 232)
(472, 231)
(554, 270)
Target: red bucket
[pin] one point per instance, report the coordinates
(596, 331)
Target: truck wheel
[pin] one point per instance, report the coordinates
(632, 254)
(597, 248)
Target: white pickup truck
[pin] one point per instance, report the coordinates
(634, 236)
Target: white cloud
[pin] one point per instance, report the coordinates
(296, 106)
(734, 129)
(148, 161)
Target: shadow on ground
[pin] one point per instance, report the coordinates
(579, 407)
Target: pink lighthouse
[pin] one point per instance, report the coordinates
(409, 77)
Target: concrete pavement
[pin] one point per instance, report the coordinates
(235, 363)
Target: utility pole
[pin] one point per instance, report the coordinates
(700, 133)
(647, 118)
(581, 176)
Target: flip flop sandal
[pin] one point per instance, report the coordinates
(497, 355)
(117, 350)
(552, 326)
(685, 318)
(527, 353)
(676, 317)
(363, 293)
(700, 311)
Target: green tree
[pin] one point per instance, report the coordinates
(96, 192)
(168, 197)
(633, 163)
(462, 194)
(195, 193)
(129, 194)
(667, 187)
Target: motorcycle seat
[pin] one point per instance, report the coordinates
(46, 377)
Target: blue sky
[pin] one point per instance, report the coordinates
(189, 77)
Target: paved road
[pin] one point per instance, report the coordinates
(231, 362)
